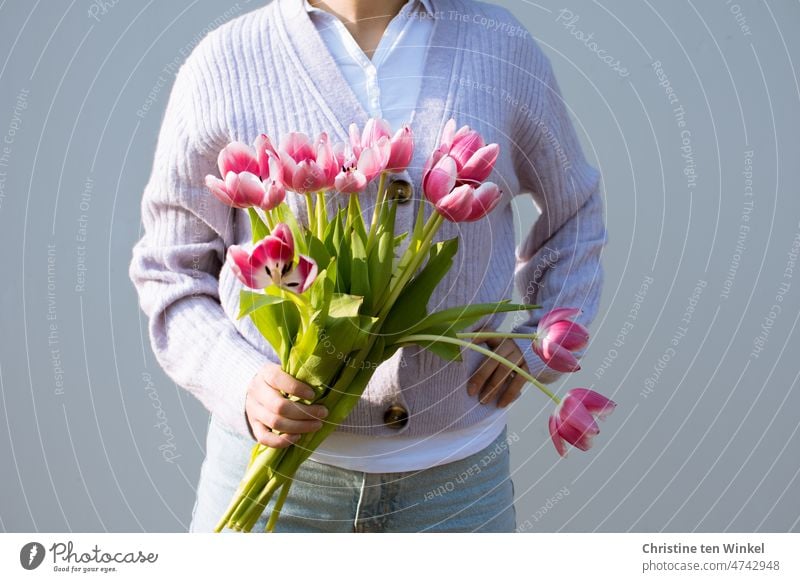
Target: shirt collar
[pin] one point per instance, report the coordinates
(423, 4)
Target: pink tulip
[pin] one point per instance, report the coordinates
(307, 167)
(359, 166)
(390, 153)
(574, 421)
(241, 190)
(272, 262)
(474, 159)
(243, 168)
(374, 130)
(453, 175)
(557, 336)
(402, 150)
(350, 181)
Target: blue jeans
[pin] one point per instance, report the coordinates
(475, 494)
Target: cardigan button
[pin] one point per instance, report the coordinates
(395, 417)
(400, 190)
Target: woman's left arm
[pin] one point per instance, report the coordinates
(558, 263)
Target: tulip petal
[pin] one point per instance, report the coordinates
(355, 139)
(480, 165)
(274, 196)
(237, 157)
(486, 198)
(350, 182)
(568, 334)
(373, 160)
(244, 189)
(218, 189)
(297, 146)
(440, 180)
(448, 133)
(402, 146)
(308, 177)
(556, 357)
(302, 276)
(594, 402)
(265, 152)
(572, 412)
(249, 273)
(557, 440)
(374, 130)
(465, 145)
(457, 205)
(575, 437)
(555, 315)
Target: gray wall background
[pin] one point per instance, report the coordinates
(705, 435)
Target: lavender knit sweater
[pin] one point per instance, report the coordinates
(269, 71)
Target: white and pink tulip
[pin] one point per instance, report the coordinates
(271, 262)
(250, 177)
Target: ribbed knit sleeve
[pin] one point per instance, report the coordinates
(176, 264)
(558, 263)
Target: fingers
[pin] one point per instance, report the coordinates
(496, 382)
(493, 380)
(268, 438)
(281, 406)
(512, 391)
(283, 415)
(270, 411)
(280, 380)
(481, 376)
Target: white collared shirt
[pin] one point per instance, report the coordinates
(388, 86)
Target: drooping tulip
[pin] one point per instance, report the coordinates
(574, 421)
(272, 262)
(557, 336)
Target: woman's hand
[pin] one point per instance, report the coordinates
(493, 380)
(266, 408)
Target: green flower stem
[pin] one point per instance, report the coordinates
(376, 213)
(322, 214)
(276, 511)
(353, 212)
(255, 506)
(493, 334)
(416, 258)
(310, 212)
(485, 352)
(270, 220)
(253, 480)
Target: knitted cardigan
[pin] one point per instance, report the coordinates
(269, 71)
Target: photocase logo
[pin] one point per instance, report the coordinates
(31, 555)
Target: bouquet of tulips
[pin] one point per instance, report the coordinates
(336, 295)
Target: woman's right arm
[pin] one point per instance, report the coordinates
(175, 270)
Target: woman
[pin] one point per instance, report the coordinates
(426, 448)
